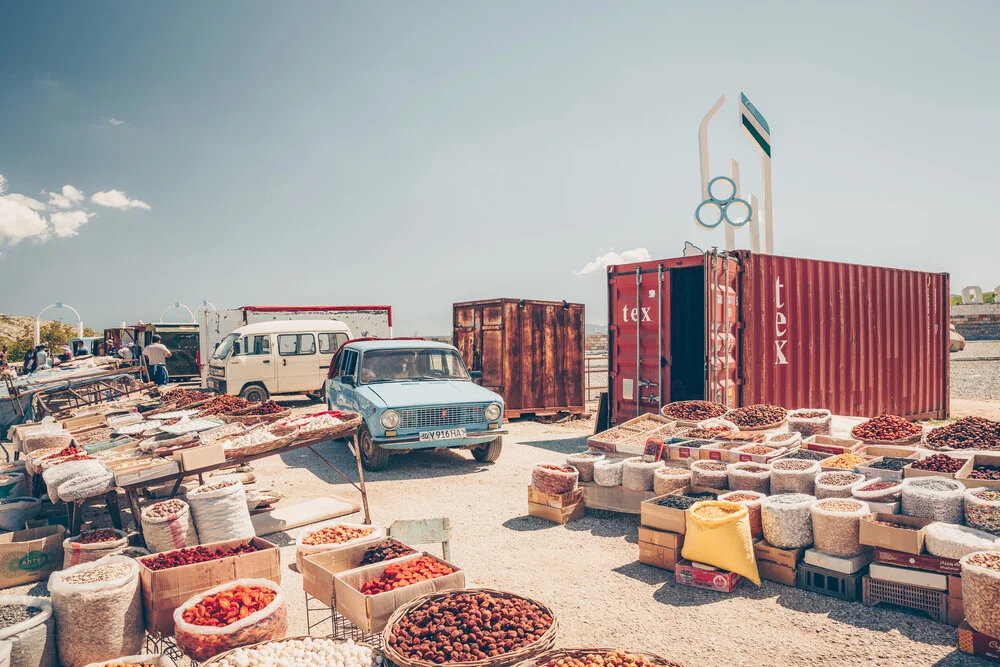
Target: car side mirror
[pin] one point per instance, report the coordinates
(347, 379)
(476, 375)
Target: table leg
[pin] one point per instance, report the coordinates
(77, 511)
(111, 501)
(177, 485)
(361, 477)
(133, 502)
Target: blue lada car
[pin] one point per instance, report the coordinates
(413, 394)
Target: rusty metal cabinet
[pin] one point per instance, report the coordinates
(529, 352)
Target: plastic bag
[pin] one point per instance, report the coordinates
(981, 513)
(711, 474)
(836, 526)
(33, 641)
(787, 520)
(786, 440)
(77, 552)
(950, 541)
(877, 490)
(12, 484)
(667, 479)
(608, 472)
(716, 423)
(98, 621)
(751, 500)
(304, 550)
(63, 472)
(981, 591)
(553, 478)
(97, 483)
(221, 514)
(718, 534)
(17, 510)
(174, 530)
(201, 642)
(637, 475)
(817, 423)
(584, 464)
(836, 484)
(748, 476)
(937, 498)
(794, 476)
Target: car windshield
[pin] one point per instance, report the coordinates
(412, 365)
(225, 346)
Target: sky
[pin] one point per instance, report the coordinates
(424, 153)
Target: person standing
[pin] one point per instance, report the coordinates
(3, 357)
(41, 357)
(156, 354)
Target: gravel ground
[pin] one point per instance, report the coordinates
(588, 571)
(975, 349)
(976, 380)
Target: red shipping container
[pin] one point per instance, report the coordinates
(857, 340)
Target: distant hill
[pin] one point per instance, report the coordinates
(596, 328)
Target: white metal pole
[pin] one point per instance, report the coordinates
(38, 329)
(754, 231)
(703, 145)
(765, 167)
(734, 173)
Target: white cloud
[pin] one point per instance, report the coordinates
(67, 223)
(115, 121)
(602, 262)
(69, 198)
(33, 204)
(17, 220)
(117, 199)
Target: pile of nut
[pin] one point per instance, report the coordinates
(758, 449)
(305, 652)
(12, 614)
(744, 436)
(644, 425)
(335, 535)
(192, 555)
(165, 508)
(967, 433)
(465, 626)
(694, 411)
(182, 397)
(385, 550)
(836, 484)
(755, 416)
(100, 574)
(614, 659)
(886, 428)
(981, 591)
(782, 437)
(215, 487)
(403, 574)
(708, 432)
(836, 526)
(786, 464)
(229, 606)
(939, 463)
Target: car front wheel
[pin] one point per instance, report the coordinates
(373, 457)
(254, 393)
(489, 452)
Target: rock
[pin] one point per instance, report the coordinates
(957, 340)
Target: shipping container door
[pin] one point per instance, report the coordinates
(722, 329)
(489, 339)
(464, 335)
(640, 327)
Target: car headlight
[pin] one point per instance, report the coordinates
(389, 419)
(493, 412)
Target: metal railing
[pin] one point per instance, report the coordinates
(595, 378)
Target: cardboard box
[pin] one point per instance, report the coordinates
(910, 471)
(165, 590)
(371, 612)
(680, 451)
(828, 468)
(694, 488)
(837, 563)
(890, 451)
(30, 555)
(774, 572)
(661, 538)
(979, 460)
(657, 556)
(742, 457)
(896, 539)
(86, 422)
(319, 569)
(892, 509)
(559, 500)
(168, 467)
(880, 473)
(908, 576)
(831, 445)
(560, 515)
(199, 458)
(704, 576)
(955, 587)
(788, 558)
(956, 611)
(918, 561)
(720, 451)
(662, 518)
(978, 644)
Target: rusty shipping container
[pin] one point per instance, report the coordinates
(529, 352)
(857, 340)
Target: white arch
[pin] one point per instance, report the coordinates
(178, 304)
(59, 305)
(972, 294)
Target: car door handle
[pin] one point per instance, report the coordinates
(284, 362)
(267, 361)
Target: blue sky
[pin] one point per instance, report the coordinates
(423, 153)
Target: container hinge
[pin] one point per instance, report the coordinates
(739, 325)
(738, 382)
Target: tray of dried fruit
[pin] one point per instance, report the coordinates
(761, 417)
(597, 657)
(689, 413)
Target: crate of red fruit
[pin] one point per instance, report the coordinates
(367, 596)
(171, 577)
(887, 430)
(237, 613)
(940, 465)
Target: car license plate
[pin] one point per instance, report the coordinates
(443, 434)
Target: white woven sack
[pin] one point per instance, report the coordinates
(741, 479)
(793, 481)
(669, 479)
(16, 483)
(886, 495)
(63, 472)
(98, 621)
(810, 426)
(76, 553)
(221, 514)
(981, 597)
(787, 520)
(91, 485)
(33, 641)
(637, 475)
(166, 533)
(157, 659)
(979, 513)
(919, 499)
(824, 490)
(45, 440)
(950, 541)
(837, 532)
(304, 550)
(584, 464)
(13, 515)
(608, 472)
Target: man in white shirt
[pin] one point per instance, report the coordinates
(156, 355)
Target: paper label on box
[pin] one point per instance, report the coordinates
(684, 452)
(715, 456)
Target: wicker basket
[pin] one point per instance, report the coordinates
(251, 450)
(171, 406)
(250, 420)
(216, 660)
(765, 427)
(909, 440)
(350, 422)
(665, 408)
(544, 643)
(580, 653)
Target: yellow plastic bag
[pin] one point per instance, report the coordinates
(718, 534)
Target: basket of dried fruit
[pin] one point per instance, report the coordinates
(321, 425)
(689, 413)
(418, 634)
(326, 650)
(258, 413)
(887, 430)
(597, 657)
(255, 442)
(761, 417)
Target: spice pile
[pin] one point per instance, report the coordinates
(385, 550)
(844, 461)
(758, 449)
(785, 464)
(886, 428)
(644, 425)
(756, 416)
(468, 626)
(615, 659)
(694, 411)
(889, 463)
(967, 433)
(807, 455)
(335, 535)
(100, 574)
(404, 574)
(12, 614)
(716, 511)
(192, 555)
(229, 606)
(939, 463)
